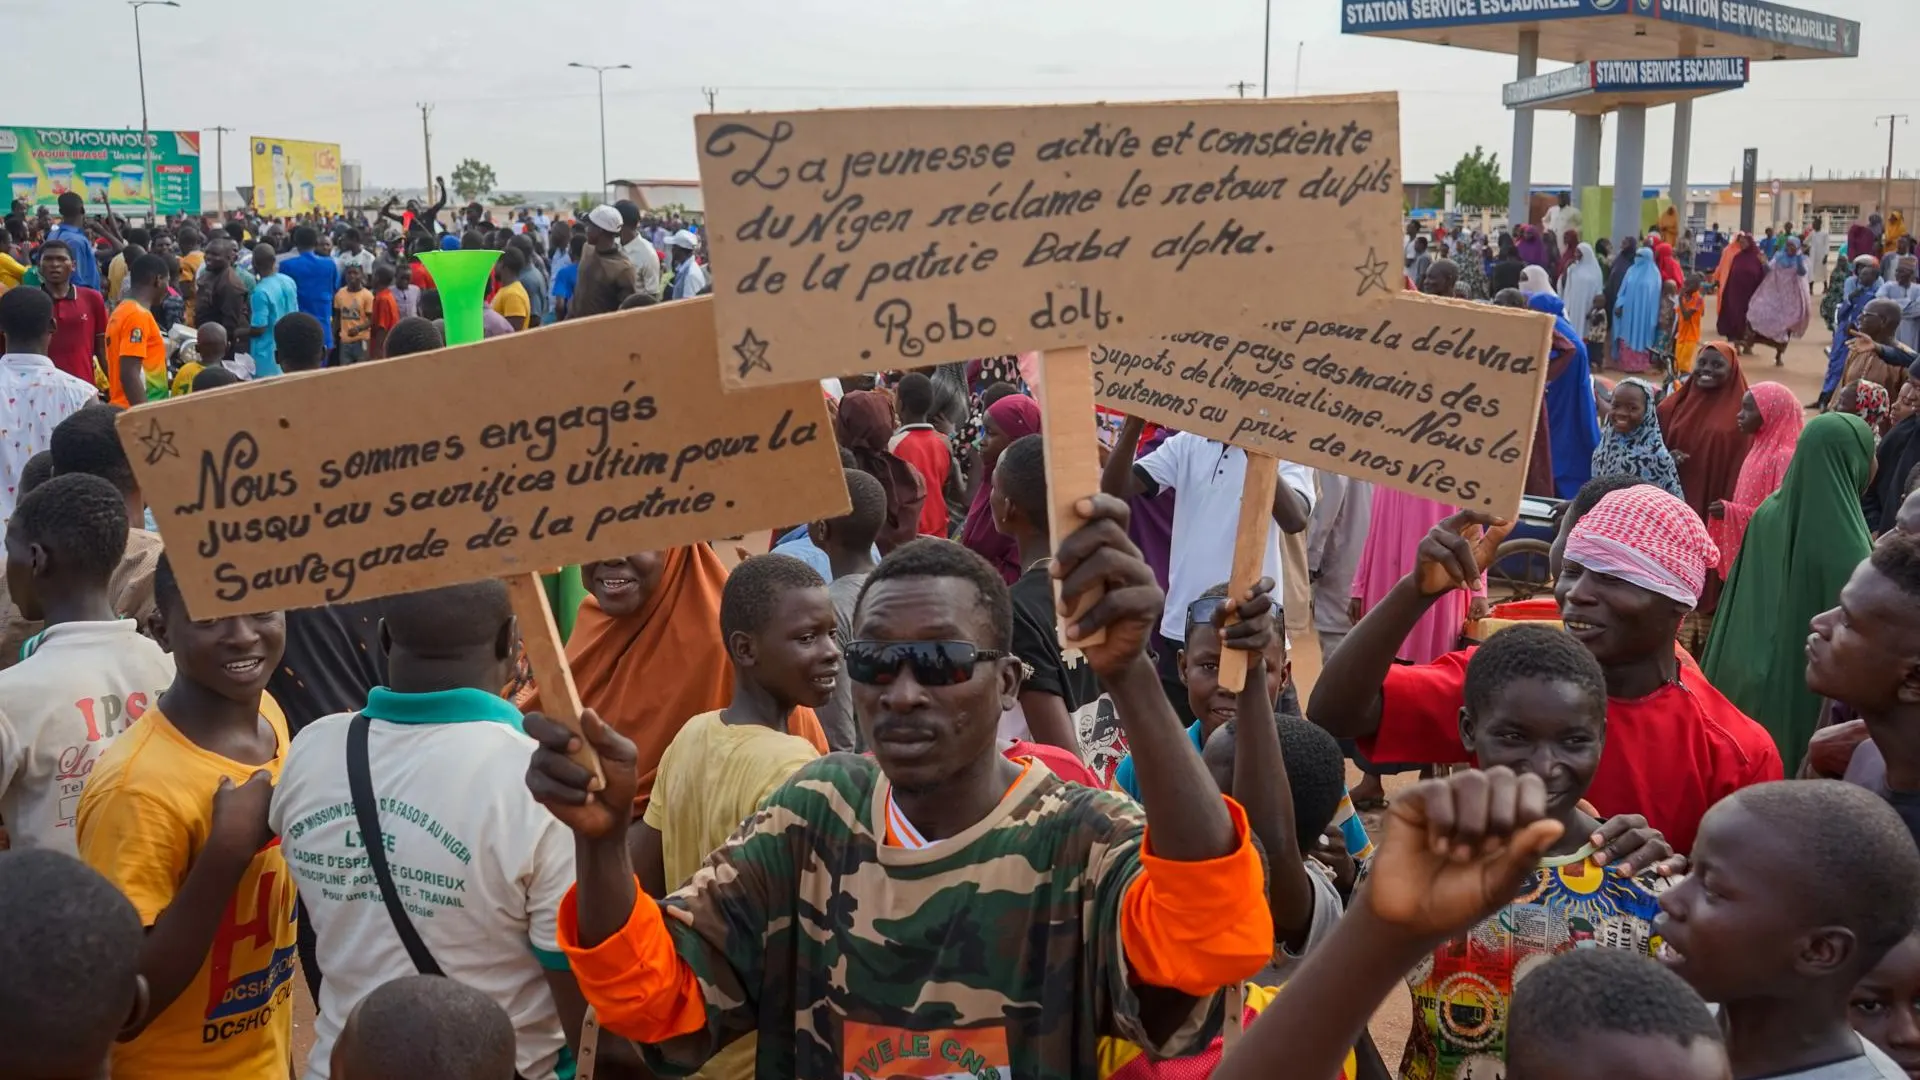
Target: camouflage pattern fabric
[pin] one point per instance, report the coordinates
(994, 953)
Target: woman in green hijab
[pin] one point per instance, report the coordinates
(1801, 546)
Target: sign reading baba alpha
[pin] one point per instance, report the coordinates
(855, 240)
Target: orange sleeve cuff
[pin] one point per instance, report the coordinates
(1197, 926)
(635, 980)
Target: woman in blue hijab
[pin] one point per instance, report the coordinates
(1573, 423)
(1636, 313)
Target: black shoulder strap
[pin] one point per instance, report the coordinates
(360, 783)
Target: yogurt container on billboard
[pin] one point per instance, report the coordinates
(97, 184)
(132, 180)
(60, 176)
(306, 193)
(25, 184)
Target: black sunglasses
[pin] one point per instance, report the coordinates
(1200, 612)
(935, 663)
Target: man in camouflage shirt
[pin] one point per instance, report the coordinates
(936, 910)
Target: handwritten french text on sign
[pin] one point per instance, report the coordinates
(599, 438)
(869, 239)
(1435, 397)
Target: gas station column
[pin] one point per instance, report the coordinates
(1586, 152)
(1520, 185)
(1682, 141)
(1629, 172)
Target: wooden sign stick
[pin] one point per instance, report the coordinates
(1249, 554)
(558, 696)
(1073, 460)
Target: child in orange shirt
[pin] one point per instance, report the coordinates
(1686, 335)
(386, 311)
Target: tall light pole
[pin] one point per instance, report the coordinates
(600, 74)
(146, 139)
(1266, 48)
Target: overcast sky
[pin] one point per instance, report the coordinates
(351, 71)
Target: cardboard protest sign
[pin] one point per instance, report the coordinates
(583, 440)
(1436, 397)
(874, 239)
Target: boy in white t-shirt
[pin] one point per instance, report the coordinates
(86, 676)
(481, 868)
(1208, 478)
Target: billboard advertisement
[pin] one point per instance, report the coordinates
(294, 177)
(43, 163)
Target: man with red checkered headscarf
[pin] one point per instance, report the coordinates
(1631, 564)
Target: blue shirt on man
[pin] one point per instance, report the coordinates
(315, 279)
(274, 298)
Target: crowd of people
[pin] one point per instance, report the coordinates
(138, 306)
(862, 812)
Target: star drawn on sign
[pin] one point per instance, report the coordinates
(159, 442)
(1373, 274)
(752, 352)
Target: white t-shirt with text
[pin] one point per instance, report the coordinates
(482, 867)
(82, 684)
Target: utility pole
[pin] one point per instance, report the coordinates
(1266, 48)
(1886, 178)
(426, 139)
(220, 169)
(711, 92)
(1298, 51)
(146, 137)
(600, 79)
(1243, 86)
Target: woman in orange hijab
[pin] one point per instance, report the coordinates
(646, 652)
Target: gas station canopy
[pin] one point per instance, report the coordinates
(1597, 87)
(1577, 30)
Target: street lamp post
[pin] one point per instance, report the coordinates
(146, 138)
(600, 75)
(1266, 48)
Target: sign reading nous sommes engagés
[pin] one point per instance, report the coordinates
(862, 240)
(1435, 397)
(614, 437)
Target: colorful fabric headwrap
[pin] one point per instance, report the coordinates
(1648, 538)
(1871, 404)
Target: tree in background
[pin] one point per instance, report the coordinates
(1475, 180)
(473, 178)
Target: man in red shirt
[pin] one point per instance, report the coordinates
(918, 444)
(1632, 568)
(79, 315)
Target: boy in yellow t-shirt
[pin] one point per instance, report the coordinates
(136, 349)
(777, 623)
(353, 316)
(511, 301)
(175, 815)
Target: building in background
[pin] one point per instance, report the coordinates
(662, 195)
